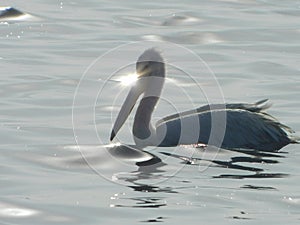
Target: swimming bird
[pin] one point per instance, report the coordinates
(229, 126)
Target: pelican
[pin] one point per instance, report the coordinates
(246, 125)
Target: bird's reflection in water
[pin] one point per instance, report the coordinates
(146, 178)
(150, 170)
(253, 157)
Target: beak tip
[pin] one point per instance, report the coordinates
(112, 136)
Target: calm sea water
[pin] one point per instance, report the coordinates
(58, 105)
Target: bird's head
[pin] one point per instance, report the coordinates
(150, 63)
(150, 68)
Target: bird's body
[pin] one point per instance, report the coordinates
(231, 126)
(243, 129)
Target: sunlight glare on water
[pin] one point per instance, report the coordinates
(13, 211)
(128, 80)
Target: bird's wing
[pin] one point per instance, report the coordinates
(255, 131)
(252, 107)
(243, 130)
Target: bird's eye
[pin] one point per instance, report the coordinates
(146, 70)
(146, 67)
(142, 69)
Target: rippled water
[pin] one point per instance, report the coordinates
(252, 47)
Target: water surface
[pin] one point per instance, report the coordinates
(252, 47)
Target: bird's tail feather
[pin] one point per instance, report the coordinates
(295, 139)
(263, 104)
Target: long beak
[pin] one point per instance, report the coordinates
(127, 107)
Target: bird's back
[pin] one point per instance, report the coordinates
(239, 128)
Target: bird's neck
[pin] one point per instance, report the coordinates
(143, 131)
(142, 128)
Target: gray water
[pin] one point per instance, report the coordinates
(57, 170)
